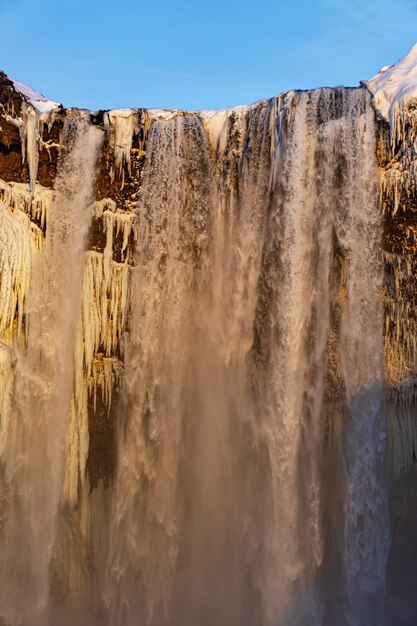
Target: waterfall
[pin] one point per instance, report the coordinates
(219, 342)
(43, 384)
(221, 512)
(366, 523)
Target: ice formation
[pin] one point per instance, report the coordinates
(121, 124)
(20, 239)
(395, 96)
(36, 203)
(395, 91)
(98, 350)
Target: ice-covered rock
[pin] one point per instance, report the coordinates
(39, 102)
(393, 87)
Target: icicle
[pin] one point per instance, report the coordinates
(31, 135)
(105, 301)
(36, 204)
(20, 243)
(115, 223)
(121, 124)
(103, 323)
(107, 204)
(105, 298)
(16, 248)
(106, 373)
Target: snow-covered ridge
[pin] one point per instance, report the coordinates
(37, 100)
(394, 85)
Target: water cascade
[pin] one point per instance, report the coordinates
(220, 452)
(44, 373)
(193, 414)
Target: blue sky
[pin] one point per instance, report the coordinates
(192, 54)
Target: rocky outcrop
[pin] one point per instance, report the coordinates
(397, 159)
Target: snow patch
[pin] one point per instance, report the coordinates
(37, 100)
(162, 114)
(394, 86)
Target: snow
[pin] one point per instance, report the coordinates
(126, 113)
(37, 100)
(394, 86)
(162, 114)
(34, 111)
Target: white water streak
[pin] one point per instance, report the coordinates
(44, 378)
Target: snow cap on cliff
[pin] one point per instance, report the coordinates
(394, 85)
(39, 102)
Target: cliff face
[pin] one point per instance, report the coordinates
(31, 143)
(128, 367)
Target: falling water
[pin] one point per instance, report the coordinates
(250, 420)
(44, 373)
(219, 510)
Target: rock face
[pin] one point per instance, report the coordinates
(207, 334)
